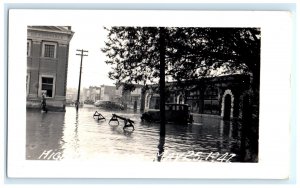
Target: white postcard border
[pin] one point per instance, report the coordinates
(274, 101)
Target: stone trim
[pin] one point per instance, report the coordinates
(178, 99)
(227, 92)
(27, 83)
(29, 47)
(147, 100)
(59, 97)
(49, 43)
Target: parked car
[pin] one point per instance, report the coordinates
(88, 102)
(70, 102)
(109, 105)
(175, 113)
(97, 103)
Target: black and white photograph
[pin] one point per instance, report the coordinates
(178, 94)
(168, 93)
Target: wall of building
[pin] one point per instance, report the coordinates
(208, 96)
(93, 93)
(55, 67)
(109, 93)
(132, 99)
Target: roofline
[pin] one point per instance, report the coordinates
(70, 32)
(206, 78)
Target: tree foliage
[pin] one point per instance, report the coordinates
(191, 53)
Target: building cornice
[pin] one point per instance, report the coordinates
(38, 34)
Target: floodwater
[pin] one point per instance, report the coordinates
(75, 135)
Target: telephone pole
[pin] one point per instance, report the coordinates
(162, 85)
(81, 53)
(162, 67)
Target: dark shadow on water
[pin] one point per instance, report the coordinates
(128, 132)
(114, 126)
(161, 148)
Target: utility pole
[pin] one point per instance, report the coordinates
(162, 66)
(78, 93)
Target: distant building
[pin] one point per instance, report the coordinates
(92, 93)
(71, 96)
(108, 93)
(118, 96)
(132, 99)
(47, 65)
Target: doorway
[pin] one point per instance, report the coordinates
(227, 107)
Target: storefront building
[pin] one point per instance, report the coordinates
(221, 96)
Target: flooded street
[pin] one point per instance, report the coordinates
(78, 136)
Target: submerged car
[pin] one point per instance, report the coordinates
(175, 113)
(109, 105)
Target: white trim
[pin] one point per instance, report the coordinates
(227, 92)
(27, 83)
(40, 84)
(178, 99)
(147, 100)
(29, 47)
(49, 43)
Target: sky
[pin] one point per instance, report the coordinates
(88, 37)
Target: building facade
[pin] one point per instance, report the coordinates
(222, 96)
(47, 65)
(92, 94)
(71, 96)
(132, 99)
(109, 93)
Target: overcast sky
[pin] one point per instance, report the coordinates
(89, 37)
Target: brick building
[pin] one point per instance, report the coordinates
(132, 99)
(47, 65)
(93, 93)
(222, 96)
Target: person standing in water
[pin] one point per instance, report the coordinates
(43, 103)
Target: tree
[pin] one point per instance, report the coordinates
(191, 52)
(133, 53)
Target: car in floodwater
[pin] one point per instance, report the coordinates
(109, 105)
(175, 113)
(70, 102)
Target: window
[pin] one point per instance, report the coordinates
(211, 101)
(49, 49)
(47, 86)
(28, 47)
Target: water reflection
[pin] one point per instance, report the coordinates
(76, 138)
(40, 129)
(161, 148)
(77, 135)
(127, 133)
